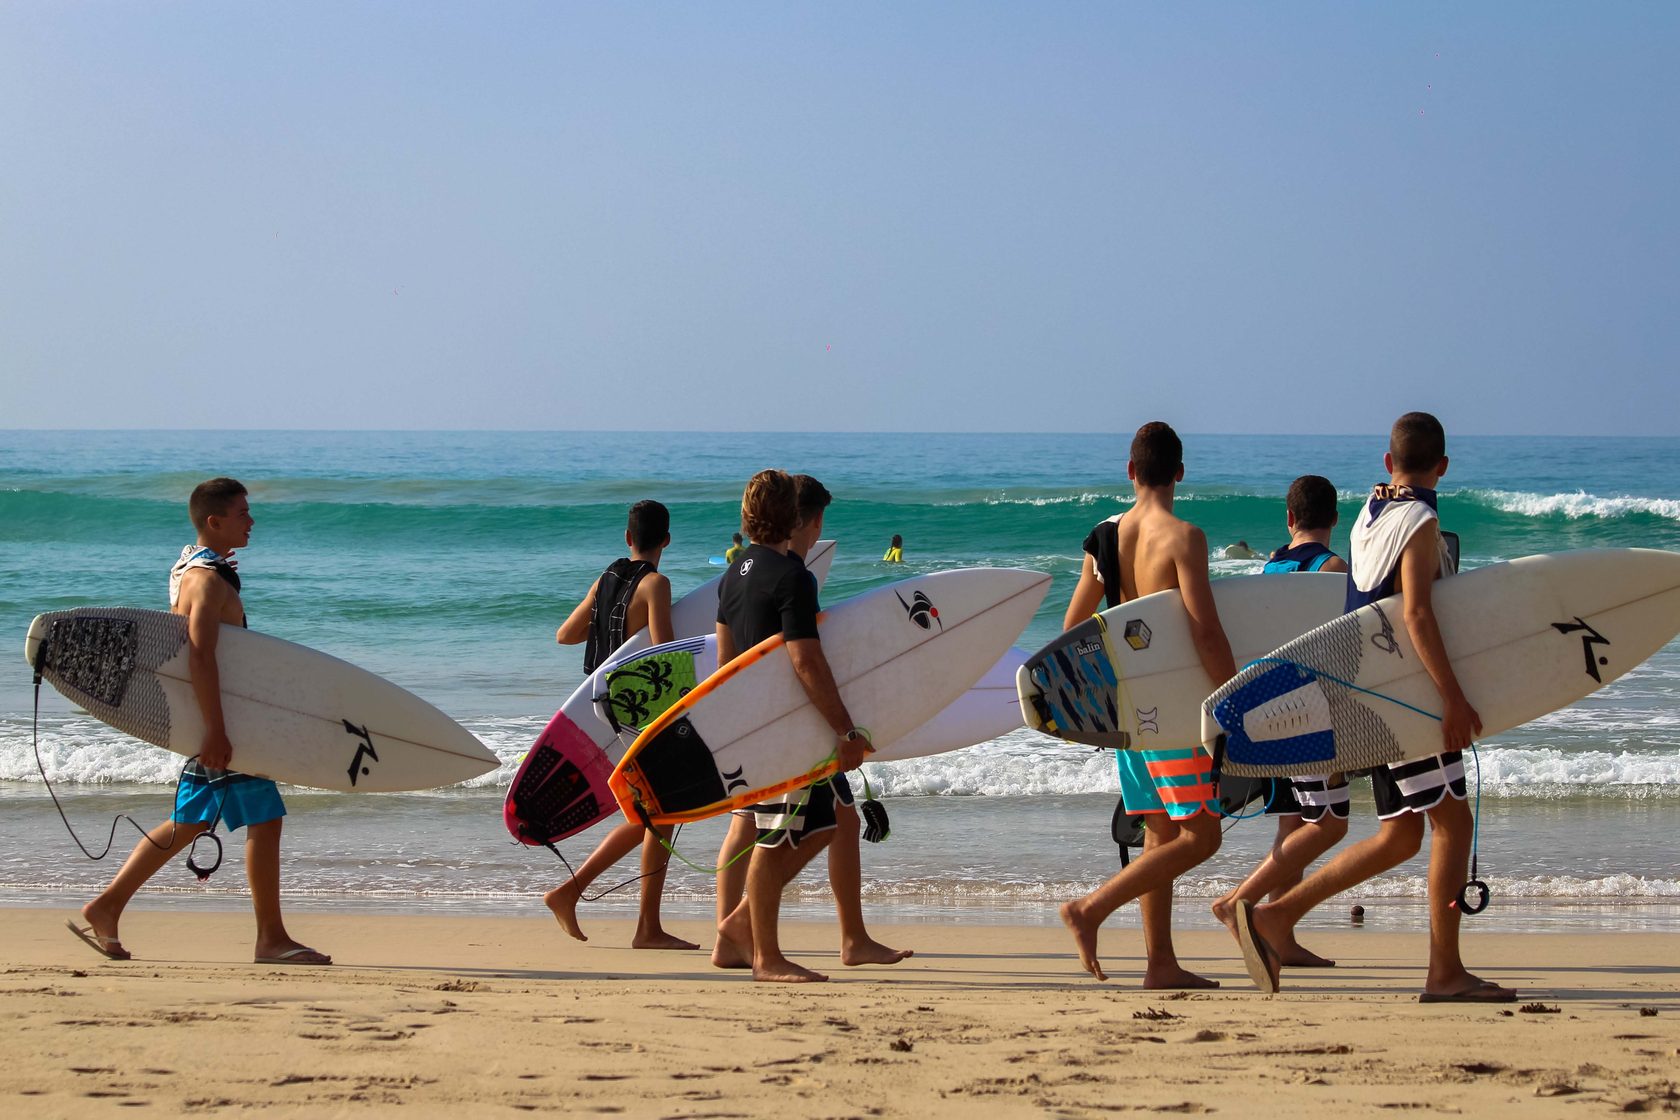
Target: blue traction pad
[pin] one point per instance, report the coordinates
(1311, 747)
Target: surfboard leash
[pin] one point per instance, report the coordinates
(111, 839)
(1474, 896)
(554, 847)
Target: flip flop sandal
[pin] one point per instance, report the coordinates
(110, 948)
(290, 956)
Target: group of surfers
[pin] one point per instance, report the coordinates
(1396, 548)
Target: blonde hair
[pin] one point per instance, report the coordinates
(770, 507)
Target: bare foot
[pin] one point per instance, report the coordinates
(734, 941)
(1173, 978)
(1084, 938)
(1294, 955)
(870, 951)
(659, 939)
(563, 901)
(783, 971)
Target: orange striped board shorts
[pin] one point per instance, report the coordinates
(1178, 783)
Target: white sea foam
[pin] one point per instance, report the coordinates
(1576, 505)
(78, 750)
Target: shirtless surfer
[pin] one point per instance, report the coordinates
(1145, 550)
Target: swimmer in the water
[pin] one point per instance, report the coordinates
(1240, 551)
(895, 551)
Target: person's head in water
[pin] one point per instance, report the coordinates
(1157, 456)
(1311, 504)
(770, 507)
(1242, 544)
(1417, 446)
(220, 509)
(738, 538)
(649, 527)
(897, 541)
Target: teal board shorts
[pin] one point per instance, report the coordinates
(241, 798)
(1178, 783)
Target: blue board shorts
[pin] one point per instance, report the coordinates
(242, 799)
(1178, 783)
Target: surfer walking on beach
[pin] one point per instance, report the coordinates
(1397, 547)
(1145, 550)
(845, 857)
(631, 595)
(769, 592)
(1311, 809)
(204, 586)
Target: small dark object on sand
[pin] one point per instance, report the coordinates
(1539, 1009)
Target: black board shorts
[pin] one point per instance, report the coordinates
(1419, 784)
(801, 814)
(1312, 797)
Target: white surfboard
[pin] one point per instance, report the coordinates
(899, 655)
(1129, 678)
(696, 612)
(634, 690)
(560, 788)
(293, 714)
(1525, 637)
(987, 711)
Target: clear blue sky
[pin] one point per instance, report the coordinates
(1250, 218)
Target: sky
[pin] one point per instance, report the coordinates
(1269, 218)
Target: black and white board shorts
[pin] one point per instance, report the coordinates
(801, 814)
(1418, 785)
(1312, 797)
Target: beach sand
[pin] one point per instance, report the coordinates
(477, 1016)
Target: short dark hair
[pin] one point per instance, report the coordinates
(1157, 454)
(1418, 442)
(769, 507)
(1312, 502)
(649, 525)
(737, 538)
(212, 499)
(813, 496)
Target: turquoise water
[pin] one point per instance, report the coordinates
(445, 560)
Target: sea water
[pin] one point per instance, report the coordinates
(446, 560)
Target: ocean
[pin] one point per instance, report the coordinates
(445, 560)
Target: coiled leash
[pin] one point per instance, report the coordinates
(203, 873)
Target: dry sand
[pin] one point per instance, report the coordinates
(480, 1016)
